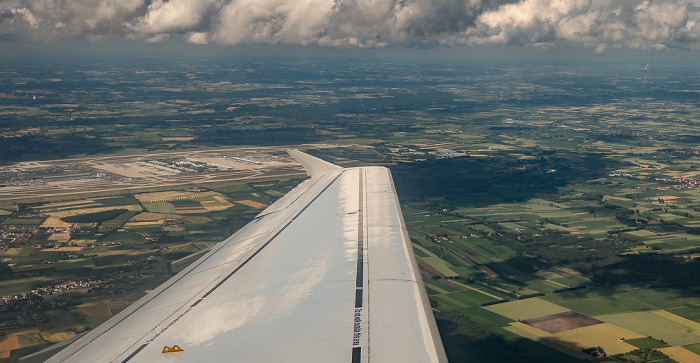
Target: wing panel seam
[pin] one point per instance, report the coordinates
(356, 356)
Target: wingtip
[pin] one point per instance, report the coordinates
(312, 164)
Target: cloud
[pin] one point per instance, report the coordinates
(166, 16)
(598, 24)
(54, 19)
(594, 23)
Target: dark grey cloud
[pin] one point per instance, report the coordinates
(600, 24)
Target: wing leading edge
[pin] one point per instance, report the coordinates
(325, 274)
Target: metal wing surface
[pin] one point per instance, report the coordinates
(325, 274)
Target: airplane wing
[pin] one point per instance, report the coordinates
(325, 274)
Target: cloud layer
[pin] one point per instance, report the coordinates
(600, 24)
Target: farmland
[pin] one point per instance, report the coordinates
(86, 259)
(552, 207)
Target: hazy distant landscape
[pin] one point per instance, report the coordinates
(553, 205)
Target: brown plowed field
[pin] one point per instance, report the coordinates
(9, 340)
(560, 322)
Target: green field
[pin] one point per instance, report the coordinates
(160, 207)
(74, 264)
(24, 220)
(646, 343)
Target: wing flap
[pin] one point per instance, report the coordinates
(396, 288)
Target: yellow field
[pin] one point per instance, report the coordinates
(526, 309)
(65, 249)
(214, 205)
(57, 337)
(436, 262)
(189, 210)
(439, 264)
(252, 203)
(680, 354)
(148, 216)
(52, 222)
(604, 335)
(127, 252)
(145, 223)
(59, 237)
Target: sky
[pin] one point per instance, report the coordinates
(598, 25)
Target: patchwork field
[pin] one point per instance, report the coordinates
(10, 341)
(539, 319)
(537, 208)
(119, 246)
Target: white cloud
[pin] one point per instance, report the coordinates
(197, 38)
(598, 24)
(173, 16)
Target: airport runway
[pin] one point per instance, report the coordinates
(104, 175)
